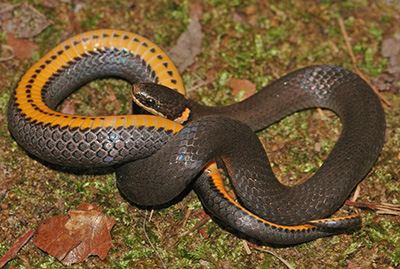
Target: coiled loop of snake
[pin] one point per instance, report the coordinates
(86, 141)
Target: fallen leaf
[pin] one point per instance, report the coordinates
(389, 81)
(22, 20)
(245, 85)
(391, 49)
(72, 240)
(53, 238)
(23, 49)
(386, 82)
(188, 46)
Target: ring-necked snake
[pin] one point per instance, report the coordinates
(156, 158)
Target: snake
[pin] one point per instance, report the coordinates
(158, 156)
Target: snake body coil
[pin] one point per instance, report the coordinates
(86, 141)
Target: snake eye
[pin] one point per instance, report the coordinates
(150, 102)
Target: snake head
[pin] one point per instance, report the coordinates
(161, 101)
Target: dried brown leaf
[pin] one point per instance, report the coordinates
(391, 49)
(53, 238)
(72, 240)
(188, 45)
(23, 49)
(238, 85)
(22, 20)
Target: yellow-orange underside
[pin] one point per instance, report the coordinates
(83, 44)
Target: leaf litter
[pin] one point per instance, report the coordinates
(22, 20)
(72, 239)
(188, 46)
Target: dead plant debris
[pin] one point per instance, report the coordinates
(72, 240)
(13, 251)
(22, 20)
(188, 45)
(239, 85)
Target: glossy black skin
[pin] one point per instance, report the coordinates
(332, 87)
(361, 140)
(91, 147)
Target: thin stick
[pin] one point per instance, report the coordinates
(149, 241)
(13, 251)
(198, 225)
(288, 265)
(186, 218)
(380, 208)
(354, 61)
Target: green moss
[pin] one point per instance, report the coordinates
(4, 98)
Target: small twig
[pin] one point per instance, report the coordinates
(186, 218)
(201, 83)
(151, 214)
(379, 208)
(198, 225)
(148, 238)
(390, 209)
(356, 194)
(273, 253)
(12, 252)
(354, 61)
(246, 247)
